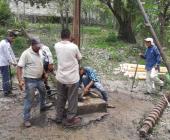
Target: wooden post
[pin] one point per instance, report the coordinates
(76, 22)
(154, 35)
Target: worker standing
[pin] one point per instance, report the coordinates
(152, 59)
(7, 58)
(30, 73)
(67, 79)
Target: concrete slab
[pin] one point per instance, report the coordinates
(92, 105)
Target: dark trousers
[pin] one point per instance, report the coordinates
(5, 79)
(67, 92)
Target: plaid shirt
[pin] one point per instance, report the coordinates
(91, 74)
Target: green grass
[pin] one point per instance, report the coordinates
(91, 36)
(20, 45)
(105, 38)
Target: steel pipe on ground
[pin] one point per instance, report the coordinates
(154, 116)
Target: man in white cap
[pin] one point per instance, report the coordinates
(152, 58)
(29, 73)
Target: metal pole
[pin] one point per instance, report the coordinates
(154, 35)
(76, 22)
(135, 75)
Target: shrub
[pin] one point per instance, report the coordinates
(5, 12)
(20, 45)
(3, 33)
(112, 37)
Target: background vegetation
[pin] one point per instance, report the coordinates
(116, 26)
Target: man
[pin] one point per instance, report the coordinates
(89, 79)
(47, 59)
(152, 59)
(30, 67)
(7, 58)
(68, 79)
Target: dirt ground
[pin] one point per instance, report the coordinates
(121, 123)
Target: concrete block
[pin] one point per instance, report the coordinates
(92, 105)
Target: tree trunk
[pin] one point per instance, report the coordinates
(162, 30)
(62, 19)
(154, 35)
(125, 32)
(67, 19)
(123, 17)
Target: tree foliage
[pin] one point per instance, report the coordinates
(5, 12)
(94, 12)
(159, 15)
(62, 6)
(124, 11)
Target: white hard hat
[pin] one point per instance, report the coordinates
(149, 39)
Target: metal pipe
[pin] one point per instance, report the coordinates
(154, 116)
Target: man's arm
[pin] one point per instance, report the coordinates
(12, 56)
(158, 59)
(50, 57)
(93, 77)
(158, 56)
(19, 77)
(78, 54)
(87, 88)
(9, 54)
(21, 65)
(142, 56)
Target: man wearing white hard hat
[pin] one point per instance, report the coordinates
(152, 59)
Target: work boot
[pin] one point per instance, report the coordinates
(7, 93)
(48, 89)
(161, 88)
(46, 107)
(58, 121)
(27, 124)
(73, 122)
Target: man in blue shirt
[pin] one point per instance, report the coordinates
(89, 79)
(152, 58)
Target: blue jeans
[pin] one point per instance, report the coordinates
(96, 85)
(5, 79)
(30, 87)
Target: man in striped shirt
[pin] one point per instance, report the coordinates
(89, 79)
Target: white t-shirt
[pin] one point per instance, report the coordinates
(68, 55)
(45, 53)
(6, 54)
(31, 63)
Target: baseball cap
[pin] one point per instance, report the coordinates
(36, 41)
(12, 33)
(149, 39)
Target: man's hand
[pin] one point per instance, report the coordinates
(21, 85)
(50, 67)
(141, 55)
(86, 90)
(14, 64)
(45, 76)
(157, 67)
